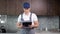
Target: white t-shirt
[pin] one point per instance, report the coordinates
(27, 17)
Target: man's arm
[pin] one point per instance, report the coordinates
(35, 21)
(36, 24)
(19, 25)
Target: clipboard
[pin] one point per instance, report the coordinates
(26, 24)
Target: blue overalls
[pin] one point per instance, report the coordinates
(27, 30)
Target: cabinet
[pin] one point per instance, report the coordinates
(11, 7)
(40, 7)
(19, 4)
(14, 7)
(3, 6)
(37, 6)
(53, 7)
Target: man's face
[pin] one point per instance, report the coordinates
(26, 9)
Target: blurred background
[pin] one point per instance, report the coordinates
(48, 13)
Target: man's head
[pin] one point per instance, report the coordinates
(26, 7)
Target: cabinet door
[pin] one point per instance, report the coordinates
(39, 7)
(53, 8)
(20, 6)
(15, 7)
(11, 7)
(3, 5)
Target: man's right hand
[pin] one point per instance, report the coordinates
(19, 25)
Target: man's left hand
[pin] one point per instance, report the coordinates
(31, 26)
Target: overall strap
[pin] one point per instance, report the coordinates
(22, 17)
(30, 17)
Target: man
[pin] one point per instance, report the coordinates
(27, 16)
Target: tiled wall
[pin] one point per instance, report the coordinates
(50, 22)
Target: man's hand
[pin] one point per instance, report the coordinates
(19, 25)
(35, 25)
(31, 26)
